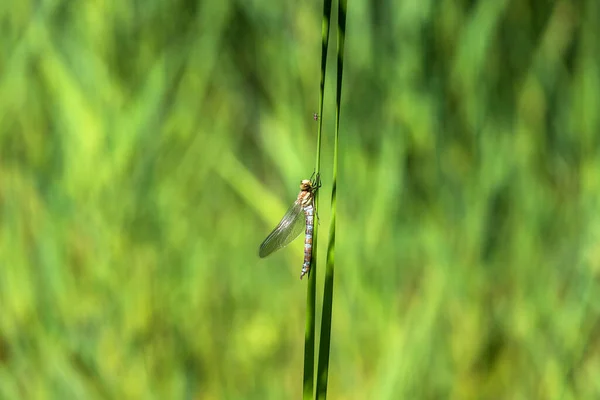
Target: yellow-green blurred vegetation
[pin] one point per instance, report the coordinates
(147, 147)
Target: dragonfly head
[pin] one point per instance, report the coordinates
(305, 185)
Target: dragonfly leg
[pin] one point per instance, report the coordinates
(317, 181)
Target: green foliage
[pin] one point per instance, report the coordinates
(146, 148)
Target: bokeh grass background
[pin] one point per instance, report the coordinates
(147, 147)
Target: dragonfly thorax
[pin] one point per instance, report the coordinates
(305, 197)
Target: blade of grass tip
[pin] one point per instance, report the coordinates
(325, 338)
(311, 291)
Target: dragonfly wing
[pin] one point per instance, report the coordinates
(288, 229)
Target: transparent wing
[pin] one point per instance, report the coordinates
(290, 226)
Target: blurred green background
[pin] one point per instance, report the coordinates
(147, 148)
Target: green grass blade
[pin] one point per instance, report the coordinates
(325, 339)
(309, 335)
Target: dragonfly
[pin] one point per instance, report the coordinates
(292, 224)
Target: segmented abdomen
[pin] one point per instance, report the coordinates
(308, 212)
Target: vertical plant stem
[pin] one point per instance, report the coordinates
(325, 337)
(309, 334)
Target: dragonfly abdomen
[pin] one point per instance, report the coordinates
(309, 214)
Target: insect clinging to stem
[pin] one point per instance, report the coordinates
(292, 224)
